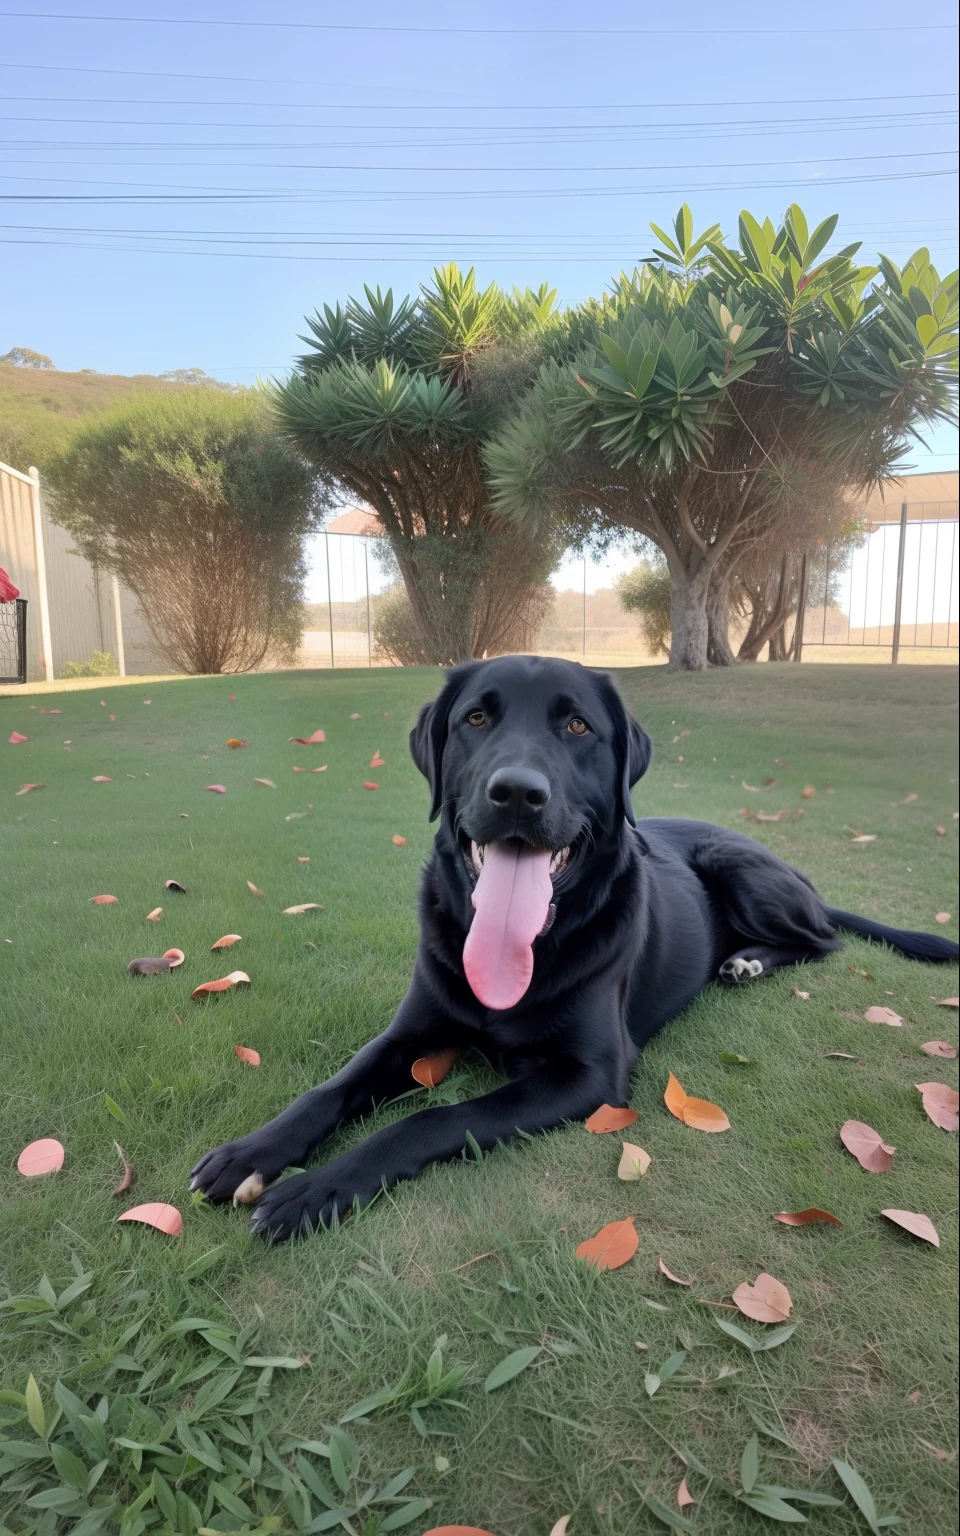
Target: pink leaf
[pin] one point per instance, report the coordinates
(866, 1145)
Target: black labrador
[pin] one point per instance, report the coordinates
(556, 936)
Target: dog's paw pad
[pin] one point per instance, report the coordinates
(738, 969)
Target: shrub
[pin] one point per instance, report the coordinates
(101, 664)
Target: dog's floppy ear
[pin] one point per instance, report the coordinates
(429, 735)
(634, 747)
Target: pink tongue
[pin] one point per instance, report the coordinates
(511, 901)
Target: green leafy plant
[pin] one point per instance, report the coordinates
(101, 664)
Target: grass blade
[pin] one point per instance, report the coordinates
(511, 1366)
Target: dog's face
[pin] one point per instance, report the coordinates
(530, 762)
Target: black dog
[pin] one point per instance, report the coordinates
(556, 935)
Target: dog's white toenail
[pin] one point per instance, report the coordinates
(250, 1190)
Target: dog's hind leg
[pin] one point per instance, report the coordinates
(757, 960)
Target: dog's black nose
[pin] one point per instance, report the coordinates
(522, 791)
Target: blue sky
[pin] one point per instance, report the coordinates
(181, 194)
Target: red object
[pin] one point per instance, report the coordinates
(7, 589)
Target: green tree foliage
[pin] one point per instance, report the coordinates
(721, 391)
(202, 511)
(646, 590)
(392, 405)
(25, 357)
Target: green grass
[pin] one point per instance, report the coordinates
(483, 1252)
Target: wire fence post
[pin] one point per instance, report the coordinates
(326, 540)
(366, 573)
(898, 604)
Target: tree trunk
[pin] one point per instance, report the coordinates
(719, 651)
(689, 628)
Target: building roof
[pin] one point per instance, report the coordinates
(356, 520)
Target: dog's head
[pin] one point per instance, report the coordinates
(530, 763)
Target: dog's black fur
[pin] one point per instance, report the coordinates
(645, 916)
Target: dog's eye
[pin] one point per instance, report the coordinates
(578, 727)
(477, 718)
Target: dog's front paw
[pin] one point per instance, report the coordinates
(306, 1201)
(739, 970)
(239, 1170)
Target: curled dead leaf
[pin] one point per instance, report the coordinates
(916, 1224)
(305, 906)
(941, 1048)
(101, 778)
(805, 996)
(940, 831)
(908, 799)
(309, 741)
(560, 1529)
(175, 956)
(103, 901)
(431, 1070)
(39, 1157)
(155, 915)
(698, 1113)
(608, 1118)
(949, 1002)
(222, 985)
(684, 1496)
(941, 1103)
(878, 1015)
(864, 837)
(303, 858)
(26, 788)
(377, 761)
(217, 789)
(867, 1146)
(753, 788)
(804, 1218)
(252, 1058)
(614, 1245)
(236, 741)
(227, 940)
(265, 783)
(369, 784)
(634, 1162)
(166, 1218)
(174, 885)
(855, 971)
(16, 739)
(255, 889)
(129, 1172)
(670, 1275)
(398, 841)
(765, 1301)
(808, 791)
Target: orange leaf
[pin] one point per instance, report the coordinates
(684, 1496)
(941, 1103)
(613, 1245)
(944, 1002)
(101, 778)
(766, 1300)
(305, 906)
(608, 1118)
(883, 1016)
(217, 789)
(255, 889)
(808, 791)
(940, 831)
(398, 841)
(866, 1145)
(15, 739)
(166, 1218)
(155, 915)
(356, 717)
(252, 1058)
(236, 741)
(103, 901)
(377, 761)
(369, 784)
(26, 788)
(303, 858)
(174, 885)
(805, 996)
(231, 696)
(220, 986)
(44, 1156)
(864, 837)
(321, 769)
(674, 1097)
(309, 741)
(265, 783)
(670, 1275)
(431, 1070)
(175, 956)
(803, 1218)
(634, 1162)
(227, 940)
(916, 1224)
(942, 917)
(939, 1048)
(698, 1113)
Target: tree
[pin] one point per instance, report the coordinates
(201, 510)
(24, 357)
(646, 590)
(195, 376)
(392, 406)
(723, 391)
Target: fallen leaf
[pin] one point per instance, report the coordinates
(129, 1172)
(452, 1530)
(265, 783)
(369, 784)
(252, 1058)
(808, 791)
(227, 940)
(797, 993)
(175, 956)
(166, 1218)
(939, 1048)
(883, 1016)
(804, 1218)
(908, 799)
(220, 986)
(15, 739)
(55, 711)
(698, 1113)
(431, 1070)
(936, 1451)
(613, 1245)
(753, 788)
(303, 858)
(174, 885)
(305, 906)
(44, 1156)
(670, 1275)
(217, 789)
(356, 717)
(255, 889)
(149, 965)
(634, 1162)
(103, 901)
(295, 816)
(867, 1146)
(398, 841)
(26, 788)
(309, 741)
(101, 778)
(949, 1002)
(321, 769)
(113, 719)
(864, 837)
(684, 1496)
(765, 1301)
(236, 741)
(231, 696)
(377, 761)
(941, 1103)
(942, 917)
(608, 1118)
(838, 1056)
(940, 831)
(155, 915)
(916, 1224)
(855, 971)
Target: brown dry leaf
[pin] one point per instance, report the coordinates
(103, 901)
(560, 1529)
(101, 778)
(613, 1245)
(948, 1002)
(166, 1218)
(670, 1275)
(936, 1451)
(252, 1058)
(303, 858)
(942, 917)
(226, 942)
(377, 761)
(428, 1071)
(765, 1301)
(149, 965)
(305, 906)
(634, 1162)
(174, 885)
(16, 739)
(217, 789)
(26, 788)
(855, 971)
(941, 1048)
(698, 1113)
(236, 741)
(867, 1146)
(609, 1118)
(753, 788)
(309, 741)
(684, 1496)
(803, 1218)
(879, 1015)
(941, 1103)
(916, 1224)
(808, 791)
(769, 783)
(805, 996)
(255, 889)
(398, 841)
(175, 956)
(155, 915)
(356, 717)
(222, 985)
(129, 1172)
(864, 837)
(940, 831)
(265, 783)
(369, 784)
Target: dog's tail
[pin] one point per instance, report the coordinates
(916, 946)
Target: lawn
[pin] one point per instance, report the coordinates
(479, 1252)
